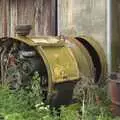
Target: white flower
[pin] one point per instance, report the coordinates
(46, 117)
(37, 105)
(41, 103)
(46, 108)
(42, 108)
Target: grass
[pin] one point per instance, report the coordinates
(27, 105)
(21, 105)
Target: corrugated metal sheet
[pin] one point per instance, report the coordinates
(39, 13)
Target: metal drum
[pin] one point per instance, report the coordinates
(60, 62)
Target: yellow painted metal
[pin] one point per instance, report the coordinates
(84, 61)
(41, 41)
(58, 56)
(102, 56)
(63, 64)
(66, 59)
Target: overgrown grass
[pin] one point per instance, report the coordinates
(27, 105)
(21, 105)
(18, 106)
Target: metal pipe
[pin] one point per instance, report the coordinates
(109, 35)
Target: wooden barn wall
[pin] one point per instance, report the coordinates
(3, 20)
(39, 13)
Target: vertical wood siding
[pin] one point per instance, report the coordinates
(1, 17)
(39, 13)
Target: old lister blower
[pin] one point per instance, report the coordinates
(60, 61)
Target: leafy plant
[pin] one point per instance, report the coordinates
(26, 104)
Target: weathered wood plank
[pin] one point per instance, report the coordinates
(39, 13)
(26, 12)
(13, 17)
(1, 18)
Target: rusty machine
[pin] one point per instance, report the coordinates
(60, 61)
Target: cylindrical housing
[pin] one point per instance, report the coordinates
(63, 60)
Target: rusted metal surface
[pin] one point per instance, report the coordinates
(97, 54)
(114, 89)
(39, 13)
(115, 109)
(60, 62)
